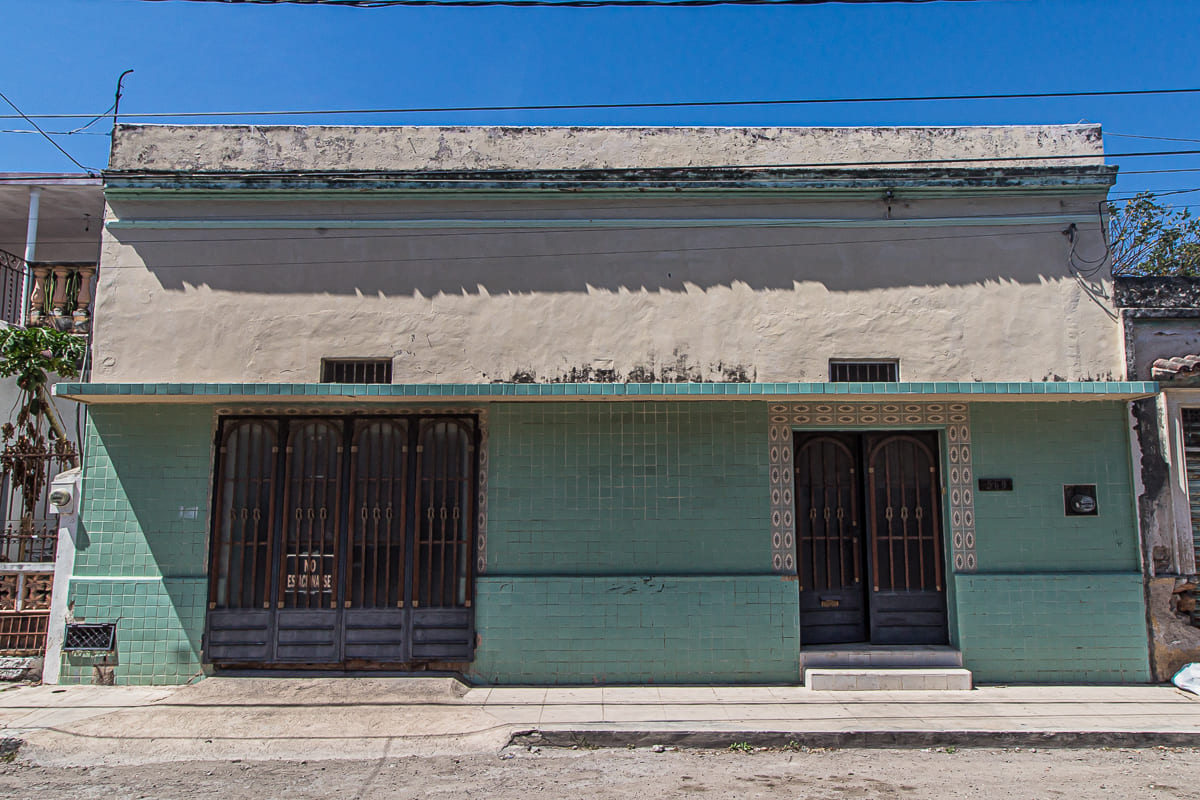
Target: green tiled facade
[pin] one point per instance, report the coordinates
(588, 630)
(653, 488)
(141, 548)
(1055, 598)
(1053, 628)
(1042, 447)
(630, 542)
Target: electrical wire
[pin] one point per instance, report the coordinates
(58, 133)
(45, 135)
(561, 254)
(425, 176)
(1156, 138)
(623, 106)
(560, 3)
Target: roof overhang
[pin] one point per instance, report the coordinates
(973, 391)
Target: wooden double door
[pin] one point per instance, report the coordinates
(342, 542)
(869, 538)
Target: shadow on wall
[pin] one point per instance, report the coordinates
(429, 263)
(148, 519)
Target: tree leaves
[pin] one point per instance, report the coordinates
(1146, 238)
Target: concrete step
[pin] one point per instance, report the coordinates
(857, 680)
(880, 656)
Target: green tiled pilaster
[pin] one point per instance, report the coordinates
(141, 549)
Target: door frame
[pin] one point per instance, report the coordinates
(945, 511)
(433, 621)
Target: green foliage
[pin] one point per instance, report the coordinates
(30, 354)
(1147, 238)
(741, 747)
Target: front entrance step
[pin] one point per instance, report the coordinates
(857, 680)
(880, 656)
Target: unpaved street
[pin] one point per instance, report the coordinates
(936, 773)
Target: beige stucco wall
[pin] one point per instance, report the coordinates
(952, 302)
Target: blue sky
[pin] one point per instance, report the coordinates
(64, 56)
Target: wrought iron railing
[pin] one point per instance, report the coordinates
(12, 287)
(24, 611)
(29, 541)
(28, 544)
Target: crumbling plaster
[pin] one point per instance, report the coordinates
(338, 148)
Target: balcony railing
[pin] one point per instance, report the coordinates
(12, 287)
(59, 297)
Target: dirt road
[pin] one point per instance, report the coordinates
(521, 774)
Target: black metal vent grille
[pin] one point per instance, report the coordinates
(356, 370)
(864, 371)
(90, 636)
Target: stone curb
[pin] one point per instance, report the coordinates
(584, 737)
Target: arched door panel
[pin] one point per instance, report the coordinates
(868, 538)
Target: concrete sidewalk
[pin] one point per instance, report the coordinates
(323, 718)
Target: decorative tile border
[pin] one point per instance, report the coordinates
(954, 417)
(783, 509)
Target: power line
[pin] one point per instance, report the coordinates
(1156, 138)
(534, 175)
(559, 3)
(565, 254)
(45, 135)
(619, 106)
(57, 133)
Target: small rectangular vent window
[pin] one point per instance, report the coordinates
(92, 636)
(356, 370)
(864, 371)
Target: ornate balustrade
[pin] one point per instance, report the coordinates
(61, 295)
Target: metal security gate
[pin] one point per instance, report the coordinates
(868, 538)
(28, 544)
(343, 542)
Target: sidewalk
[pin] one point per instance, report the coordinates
(324, 718)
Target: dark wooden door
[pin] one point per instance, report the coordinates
(868, 538)
(349, 545)
(829, 539)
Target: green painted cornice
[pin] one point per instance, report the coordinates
(483, 392)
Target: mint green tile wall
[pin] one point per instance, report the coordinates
(1053, 628)
(631, 543)
(1043, 446)
(159, 622)
(588, 630)
(619, 488)
(1056, 598)
(143, 537)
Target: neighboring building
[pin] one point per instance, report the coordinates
(1161, 319)
(607, 405)
(50, 227)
